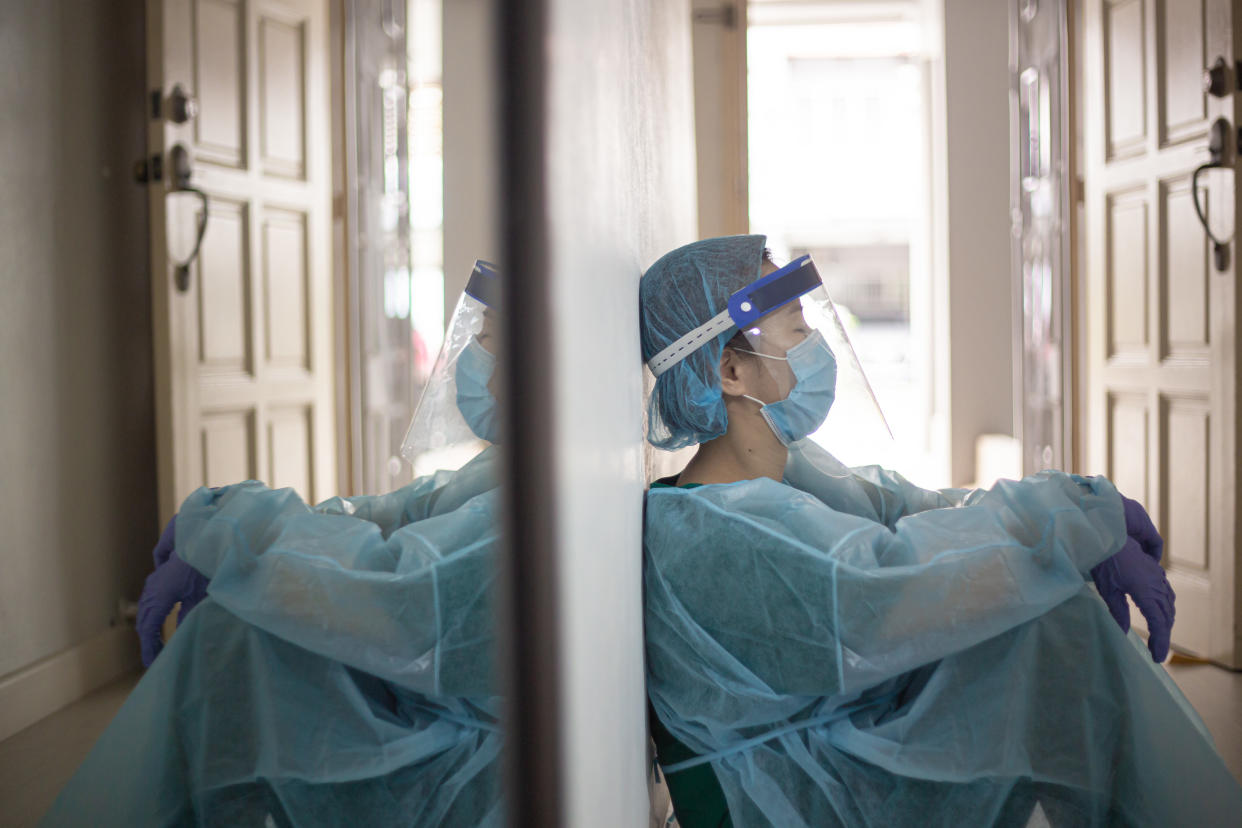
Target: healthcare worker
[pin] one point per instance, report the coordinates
(457, 411)
(834, 646)
(340, 669)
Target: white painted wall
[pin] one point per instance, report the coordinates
(971, 166)
(622, 193)
(978, 169)
(77, 464)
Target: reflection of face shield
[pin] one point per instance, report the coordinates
(806, 375)
(456, 416)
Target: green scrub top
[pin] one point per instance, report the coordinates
(698, 799)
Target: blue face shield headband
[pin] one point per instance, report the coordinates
(484, 284)
(746, 306)
(809, 344)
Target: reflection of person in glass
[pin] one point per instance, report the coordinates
(340, 669)
(835, 646)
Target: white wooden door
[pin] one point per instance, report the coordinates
(244, 384)
(1161, 333)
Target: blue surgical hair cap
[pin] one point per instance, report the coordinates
(681, 291)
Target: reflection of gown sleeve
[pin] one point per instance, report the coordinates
(425, 497)
(814, 601)
(399, 588)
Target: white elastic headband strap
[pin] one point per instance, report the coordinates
(690, 343)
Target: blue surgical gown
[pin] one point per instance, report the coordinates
(339, 672)
(852, 650)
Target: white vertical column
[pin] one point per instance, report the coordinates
(620, 193)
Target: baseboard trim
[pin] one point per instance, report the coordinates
(38, 691)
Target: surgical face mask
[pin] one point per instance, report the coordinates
(475, 367)
(805, 409)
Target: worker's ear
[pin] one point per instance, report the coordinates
(735, 371)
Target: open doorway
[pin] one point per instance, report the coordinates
(839, 125)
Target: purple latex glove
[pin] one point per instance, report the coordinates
(1140, 527)
(173, 580)
(1136, 571)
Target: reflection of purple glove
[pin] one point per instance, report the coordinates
(173, 580)
(1136, 571)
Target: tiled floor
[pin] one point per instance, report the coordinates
(35, 763)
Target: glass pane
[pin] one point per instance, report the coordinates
(1040, 245)
(386, 379)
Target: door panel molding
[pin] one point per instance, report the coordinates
(1162, 351)
(1126, 77)
(221, 280)
(1185, 276)
(1185, 425)
(1127, 296)
(244, 369)
(218, 39)
(1181, 54)
(282, 94)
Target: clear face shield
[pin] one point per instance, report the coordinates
(456, 417)
(809, 378)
